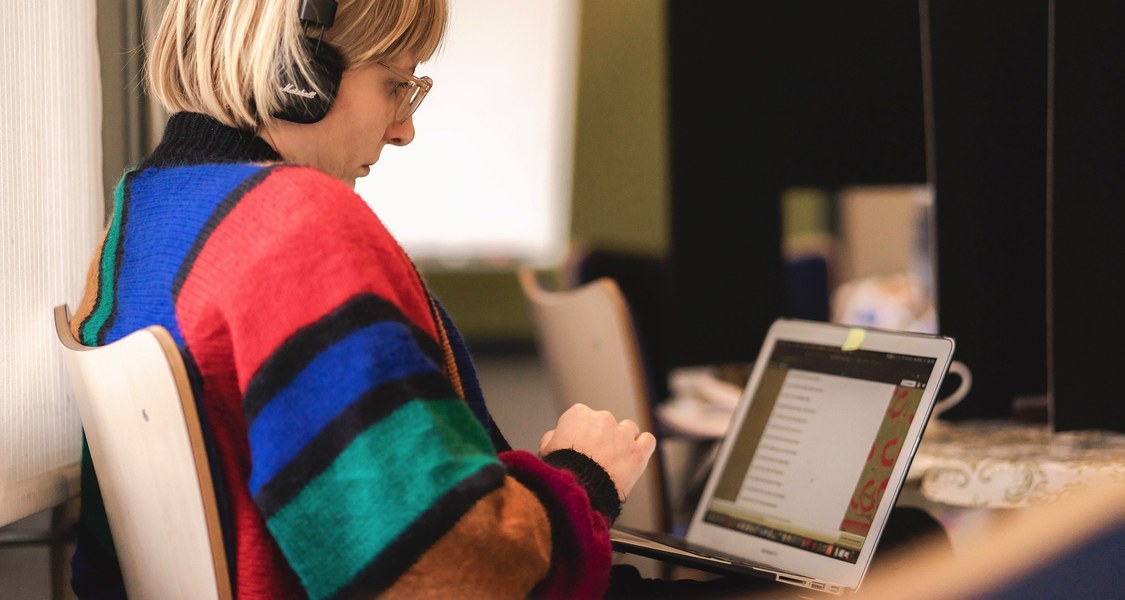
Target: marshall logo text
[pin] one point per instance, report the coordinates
(296, 91)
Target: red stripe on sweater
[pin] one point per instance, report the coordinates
(294, 248)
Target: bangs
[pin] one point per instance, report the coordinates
(367, 32)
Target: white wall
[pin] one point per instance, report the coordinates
(487, 179)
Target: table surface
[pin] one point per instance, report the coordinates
(1008, 464)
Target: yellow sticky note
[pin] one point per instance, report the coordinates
(854, 339)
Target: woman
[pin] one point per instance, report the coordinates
(357, 456)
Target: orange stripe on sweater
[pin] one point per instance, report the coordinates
(499, 549)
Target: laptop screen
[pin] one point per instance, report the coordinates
(814, 453)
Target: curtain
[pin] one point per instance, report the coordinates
(51, 213)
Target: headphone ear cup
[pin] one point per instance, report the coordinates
(300, 100)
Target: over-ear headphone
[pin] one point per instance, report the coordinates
(301, 102)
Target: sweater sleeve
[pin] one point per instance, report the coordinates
(372, 475)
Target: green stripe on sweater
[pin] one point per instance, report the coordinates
(107, 269)
(425, 435)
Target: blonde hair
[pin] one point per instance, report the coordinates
(227, 58)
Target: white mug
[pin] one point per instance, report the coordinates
(961, 370)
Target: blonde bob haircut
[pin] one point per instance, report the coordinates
(226, 58)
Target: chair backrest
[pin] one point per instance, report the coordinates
(588, 342)
(143, 431)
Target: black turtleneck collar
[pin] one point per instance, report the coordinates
(193, 138)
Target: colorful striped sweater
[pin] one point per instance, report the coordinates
(356, 454)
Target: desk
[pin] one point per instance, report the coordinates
(1005, 464)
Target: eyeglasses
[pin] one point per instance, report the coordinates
(413, 91)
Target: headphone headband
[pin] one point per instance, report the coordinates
(318, 12)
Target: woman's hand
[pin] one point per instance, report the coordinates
(621, 448)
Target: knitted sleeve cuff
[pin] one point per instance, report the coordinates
(599, 485)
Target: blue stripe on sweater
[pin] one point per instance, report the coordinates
(364, 360)
(158, 236)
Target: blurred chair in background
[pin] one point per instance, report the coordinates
(589, 345)
(642, 280)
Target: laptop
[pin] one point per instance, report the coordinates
(815, 456)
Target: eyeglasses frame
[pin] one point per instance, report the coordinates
(422, 84)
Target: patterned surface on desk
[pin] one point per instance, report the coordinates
(1002, 464)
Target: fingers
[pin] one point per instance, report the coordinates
(630, 427)
(647, 442)
(546, 439)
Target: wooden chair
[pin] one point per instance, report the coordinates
(143, 431)
(587, 341)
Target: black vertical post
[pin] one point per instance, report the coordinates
(724, 266)
(989, 65)
(1088, 216)
(797, 93)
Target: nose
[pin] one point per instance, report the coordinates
(400, 134)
